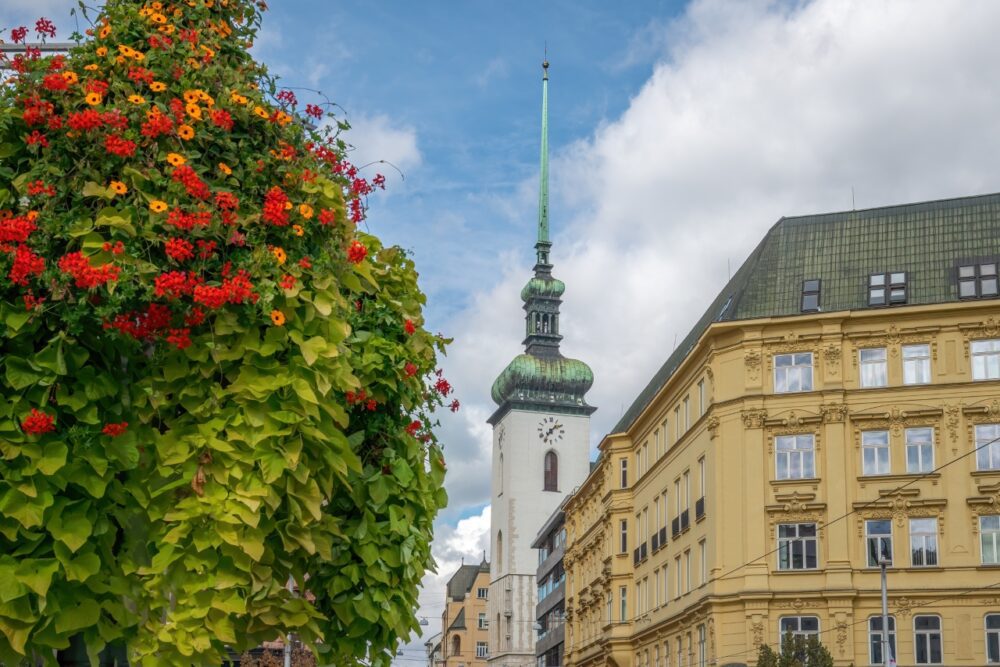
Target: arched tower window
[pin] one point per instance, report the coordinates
(500, 550)
(456, 645)
(551, 471)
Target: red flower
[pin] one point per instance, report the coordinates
(410, 369)
(442, 386)
(195, 317)
(180, 338)
(156, 124)
(288, 282)
(31, 301)
(414, 427)
(314, 111)
(179, 249)
(206, 248)
(26, 264)
(85, 275)
(18, 34)
(115, 249)
(305, 263)
(45, 27)
(371, 405)
(115, 145)
(37, 137)
(326, 217)
(409, 328)
(37, 423)
(221, 118)
(357, 252)
(187, 177)
(455, 405)
(83, 121)
(16, 230)
(287, 97)
(40, 187)
(174, 284)
(114, 430)
(275, 211)
(54, 82)
(226, 201)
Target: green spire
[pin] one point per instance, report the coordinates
(543, 190)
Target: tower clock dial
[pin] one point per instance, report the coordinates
(551, 430)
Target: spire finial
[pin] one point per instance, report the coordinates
(543, 190)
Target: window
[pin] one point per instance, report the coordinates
(985, 359)
(703, 553)
(483, 622)
(623, 598)
(794, 456)
(456, 645)
(875, 452)
(993, 638)
(927, 640)
(988, 447)
(887, 288)
(666, 584)
(551, 472)
(702, 654)
(623, 525)
(989, 539)
(687, 490)
(500, 549)
(678, 431)
(687, 413)
(793, 372)
(878, 538)
(977, 281)
(701, 477)
(482, 649)
(482, 593)
(679, 589)
(797, 546)
(923, 542)
(875, 640)
(701, 397)
(798, 626)
(687, 569)
(874, 369)
(810, 295)
(919, 450)
(916, 364)
(624, 473)
(611, 602)
(655, 601)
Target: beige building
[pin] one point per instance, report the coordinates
(464, 624)
(838, 401)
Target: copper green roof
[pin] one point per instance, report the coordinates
(927, 240)
(540, 287)
(551, 381)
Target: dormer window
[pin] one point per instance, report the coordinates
(810, 295)
(887, 289)
(978, 281)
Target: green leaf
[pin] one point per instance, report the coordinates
(71, 526)
(92, 189)
(78, 617)
(53, 458)
(36, 574)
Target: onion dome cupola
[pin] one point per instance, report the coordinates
(542, 378)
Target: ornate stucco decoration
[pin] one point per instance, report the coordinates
(986, 503)
(794, 507)
(791, 342)
(757, 633)
(893, 338)
(982, 412)
(794, 423)
(988, 328)
(753, 418)
(798, 604)
(903, 605)
(899, 505)
(831, 355)
(752, 361)
(833, 413)
(952, 420)
(895, 420)
(713, 426)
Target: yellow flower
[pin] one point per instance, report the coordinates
(139, 55)
(157, 86)
(192, 96)
(92, 67)
(70, 77)
(236, 98)
(156, 6)
(126, 51)
(185, 132)
(208, 52)
(206, 98)
(175, 159)
(158, 18)
(93, 99)
(157, 206)
(279, 254)
(193, 110)
(105, 31)
(298, 230)
(118, 187)
(278, 318)
(102, 51)
(225, 169)
(166, 29)
(288, 206)
(262, 112)
(136, 99)
(306, 211)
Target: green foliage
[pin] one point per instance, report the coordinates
(194, 467)
(796, 651)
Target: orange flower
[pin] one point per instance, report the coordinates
(32, 215)
(93, 99)
(185, 132)
(158, 18)
(105, 31)
(193, 110)
(157, 86)
(288, 206)
(166, 29)
(298, 230)
(236, 98)
(92, 67)
(156, 6)
(70, 77)
(192, 96)
(126, 51)
(225, 169)
(118, 187)
(157, 206)
(306, 211)
(278, 318)
(279, 254)
(176, 159)
(136, 99)
(262, 112)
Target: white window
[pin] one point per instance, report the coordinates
(701, 397)
(611, 602)
(687, 569)
(624, 471)
(482, 649)
(678, 430)
(988, 447)
(875, 452)
(483, 623)
(985, 359)
(793, 372)
(623, 528)
(798, 626)
(623, 596)
(687, 413)
(666, 584)
(701, 477)
(878, 541)
(875, 639)
(978, 281)
(989, 539)
(794, 456)
(919, 450)
(702, 653)
(680, 577)
(655, 601)
(874, 367)
(923, 542)
(916, 364)
(797, 546)
(703, 552)
(482, 593)
(927, 640)
(993, 638)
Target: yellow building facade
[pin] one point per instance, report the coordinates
(464, 623)
(752, 488)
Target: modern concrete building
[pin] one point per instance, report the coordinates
(839, 400)
(541, 445)
(464, 622)
(550, 613)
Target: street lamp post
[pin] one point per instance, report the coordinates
(883, 561)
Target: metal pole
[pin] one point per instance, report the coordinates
(288, 637)
(885, 615)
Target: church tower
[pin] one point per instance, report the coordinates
(541, 444)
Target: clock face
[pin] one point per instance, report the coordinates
(550, 430)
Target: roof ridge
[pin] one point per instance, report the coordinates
(888, 207)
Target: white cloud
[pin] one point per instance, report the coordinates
(496, 68)
(378, 137)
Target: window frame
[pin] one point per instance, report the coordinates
(923, 363)
(803, 455)
(987, 631)
(786, 543)
(799, 632)
(922, 467)
(877, 450)
(550, 471)
(480, 590)
(864, 364)
(989, 355)
(624, 472)
(893, 650)
(806, 292)
(917, 633)
(623, 535)
(987, 451)
(804, 373)
(881, 537)
(976, 279)
(482, 649)
(994, 534)
(482, 622)
(888, 285)
(924, 535)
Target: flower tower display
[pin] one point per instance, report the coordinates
(211, 382)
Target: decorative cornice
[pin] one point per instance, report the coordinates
(754, 418)
(794, 420)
